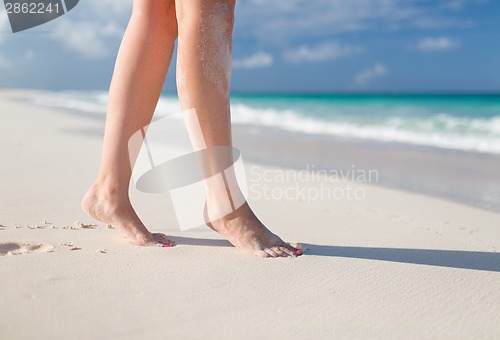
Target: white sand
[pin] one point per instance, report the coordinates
(393, 265)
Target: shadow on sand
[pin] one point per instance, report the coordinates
(442, 258)
(193, 241)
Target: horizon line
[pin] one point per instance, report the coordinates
(393, 93)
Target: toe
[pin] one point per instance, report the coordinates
(280, 252)
(161, 238)
(295, 251)
(263, 254)
(152, 244)
(271, 252)
(287, 251)
(289, 247)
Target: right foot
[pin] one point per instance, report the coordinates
(106, 206)
(247, 233)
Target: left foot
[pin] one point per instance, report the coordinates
(107, 206)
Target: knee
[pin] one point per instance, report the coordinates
(157, 15)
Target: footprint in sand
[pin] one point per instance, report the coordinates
(15, 248)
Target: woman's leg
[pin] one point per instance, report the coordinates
(139, 75)
(203, 79)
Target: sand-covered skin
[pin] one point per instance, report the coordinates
(393, 265)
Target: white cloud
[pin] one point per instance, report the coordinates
(325, 51)
(4, 24)
(454, 5)
(89, 39)
(437, 44)
(365, 76)
(288, 20)
(94, 28)
(457, 5)
(111, 6)
(256, 60)
(29, 55)
(4, 62)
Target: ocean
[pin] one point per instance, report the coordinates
(464, 122)
(469, 122)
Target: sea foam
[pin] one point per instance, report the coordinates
(442, 126)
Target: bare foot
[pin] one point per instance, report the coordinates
(244, 230)
(106, 206)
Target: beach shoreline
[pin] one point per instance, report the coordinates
(387, 264)
(467, 177)
(461, 176)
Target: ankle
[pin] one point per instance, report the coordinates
(222, 210)
(110, 190)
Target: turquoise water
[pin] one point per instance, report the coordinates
(454, 121)
(466, 122)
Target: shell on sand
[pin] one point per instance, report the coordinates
(80, 225)
(71, 246)
(34, 226)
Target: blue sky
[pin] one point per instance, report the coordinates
(285, 45)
